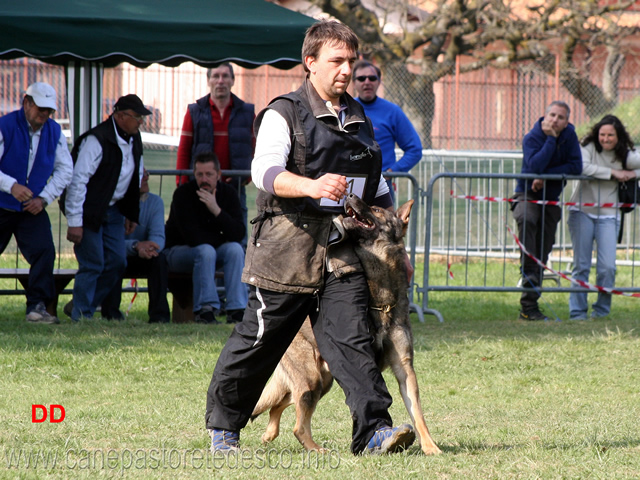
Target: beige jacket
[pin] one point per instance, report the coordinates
(602, 189)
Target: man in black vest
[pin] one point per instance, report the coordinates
(313, 147)
(102, 202)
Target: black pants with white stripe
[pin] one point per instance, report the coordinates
(272, 319)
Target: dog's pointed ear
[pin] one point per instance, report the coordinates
(403, 212)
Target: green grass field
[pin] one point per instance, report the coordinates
(503, 399)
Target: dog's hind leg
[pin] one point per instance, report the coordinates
(305, 406)
(273, 427)
(401, 361)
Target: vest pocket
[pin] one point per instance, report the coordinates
(288, 250)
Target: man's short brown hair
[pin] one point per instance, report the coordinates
(330, 32)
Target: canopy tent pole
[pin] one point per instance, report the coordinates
(84, 94)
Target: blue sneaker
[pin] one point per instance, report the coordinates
(391, 439)
(224, 441)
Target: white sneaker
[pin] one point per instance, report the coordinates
(40, 315)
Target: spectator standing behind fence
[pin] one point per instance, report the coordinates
(551, 147)
(219, 122)
(145, 258)
(390, 124)
(204, 231)
(102, 203)
(292, 271)
(35, 167)
(603, 151)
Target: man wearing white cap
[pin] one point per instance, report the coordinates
(35, 167)
(102, 203)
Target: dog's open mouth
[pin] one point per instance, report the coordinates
(363, 222)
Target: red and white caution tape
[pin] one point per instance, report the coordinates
(594, 288)
(134, 283)
(480, 198)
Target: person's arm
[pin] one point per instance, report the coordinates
(89, 158)
(408, 141)
(590, 168)
(62, 172)
(183, 161)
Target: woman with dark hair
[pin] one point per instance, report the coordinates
(603, 151)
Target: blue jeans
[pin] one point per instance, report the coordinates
(203, 261)
(584, 231)
(101, 259)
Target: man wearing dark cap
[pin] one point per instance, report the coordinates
(102, 202)
(35, 167)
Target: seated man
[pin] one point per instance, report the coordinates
(203, 234)
(145, 258)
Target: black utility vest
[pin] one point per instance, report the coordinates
(318, 148)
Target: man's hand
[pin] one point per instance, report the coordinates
(74, 234)
(21, 193)
(330, 185)
(129, 226)
(147, 249)
(209, 199)
(34, 206)
(537, 185)
(547, 128)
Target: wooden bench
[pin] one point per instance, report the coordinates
(180, 285)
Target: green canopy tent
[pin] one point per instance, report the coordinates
(89, 35)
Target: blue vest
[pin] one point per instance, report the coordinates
(15, 160)
(240, 131)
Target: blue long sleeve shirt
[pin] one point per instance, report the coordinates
(151, 223)
(545, 154)
(391, 127)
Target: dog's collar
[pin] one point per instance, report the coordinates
(383, 308)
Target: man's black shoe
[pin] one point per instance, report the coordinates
(532, 315)
(206, 315)
(234, 316)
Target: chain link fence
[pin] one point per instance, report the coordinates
(489, 109)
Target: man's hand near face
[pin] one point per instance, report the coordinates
(209, 199)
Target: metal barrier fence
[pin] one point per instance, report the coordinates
(470, 248)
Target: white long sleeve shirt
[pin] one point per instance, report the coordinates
(89, 158)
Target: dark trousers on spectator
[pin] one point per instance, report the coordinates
(155, 270)
(35, 242)
(537, 226)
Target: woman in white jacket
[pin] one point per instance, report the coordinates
(603, 150)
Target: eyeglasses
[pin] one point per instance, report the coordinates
(139, 118)
(371, 78)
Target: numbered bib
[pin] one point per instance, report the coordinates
(355, 184)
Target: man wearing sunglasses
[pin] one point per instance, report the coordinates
(390, 124)
(102, 202)
(35, 167)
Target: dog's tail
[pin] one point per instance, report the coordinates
(275, 393)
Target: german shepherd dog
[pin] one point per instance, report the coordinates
(302, 377)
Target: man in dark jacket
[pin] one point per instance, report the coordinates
(203, 233)
(102, 202)
(551, 147)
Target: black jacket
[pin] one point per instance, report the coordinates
(191, 223)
